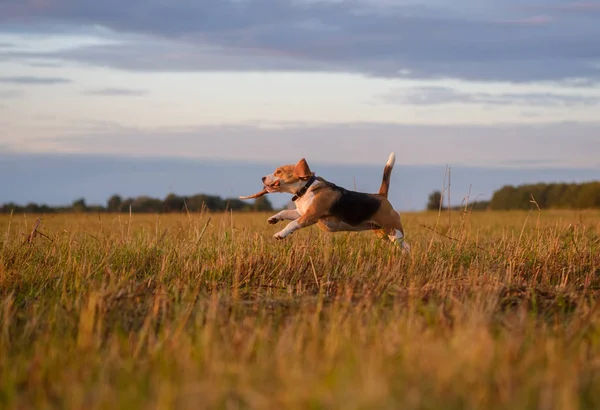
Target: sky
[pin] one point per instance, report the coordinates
(503, 84)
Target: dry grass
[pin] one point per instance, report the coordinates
(174, 312)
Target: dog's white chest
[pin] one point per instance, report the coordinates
(304, 202)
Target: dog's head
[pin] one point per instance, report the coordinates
(288, 178)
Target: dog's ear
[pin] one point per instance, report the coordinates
(302, 171)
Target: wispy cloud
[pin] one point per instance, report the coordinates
(43, 64)
(30, 80)
(529, 21)
(581, 6)
(446, 95)
(414, 144)
(430, 40)
(115, 92)
(10, 94)
(579, 82)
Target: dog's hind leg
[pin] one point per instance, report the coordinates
(396, 235)
(395, 231)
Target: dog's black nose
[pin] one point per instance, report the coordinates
(263, 179)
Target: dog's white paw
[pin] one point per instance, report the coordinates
(279, 236)
(273, 220)
(405, 247)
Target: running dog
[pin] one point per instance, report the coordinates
(331, 207)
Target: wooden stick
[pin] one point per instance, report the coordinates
(256, 195)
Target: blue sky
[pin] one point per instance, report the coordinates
(481, 83)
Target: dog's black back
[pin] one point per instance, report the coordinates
(353, 207)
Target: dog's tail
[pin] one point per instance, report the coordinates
(387, 173)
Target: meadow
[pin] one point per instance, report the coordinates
(490, 310)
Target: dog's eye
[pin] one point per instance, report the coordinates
(277, 172)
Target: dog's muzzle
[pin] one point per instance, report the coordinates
(272, 186)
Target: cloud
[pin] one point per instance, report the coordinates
(116, 92)
(497, 145)
(42, 64)
(446, 95)
(10, 94)
(161, 55)
(30, 80)
(575, 7)
(579, 82)
(426, 41)
(529, 21)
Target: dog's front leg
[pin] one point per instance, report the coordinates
(302, 222)
(288, 215)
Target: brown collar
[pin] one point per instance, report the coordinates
(303, 190)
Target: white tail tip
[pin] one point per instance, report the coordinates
(391, 160)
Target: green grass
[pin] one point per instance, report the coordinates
(209, 311)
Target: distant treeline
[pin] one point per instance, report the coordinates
(555, 195)
(574, 196)
(145, 204)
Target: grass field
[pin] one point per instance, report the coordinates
(208, 311)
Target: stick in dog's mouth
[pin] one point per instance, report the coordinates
(256, 195)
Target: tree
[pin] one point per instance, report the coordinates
(504, 198)
(435, 201)
(588, 196)
(114, 203)
(79, 205)
(173, 203)
(147, 204)
(127, 204)
(262, 204)
(32, 208)
(559, 195)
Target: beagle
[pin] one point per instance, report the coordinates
(331, 207)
